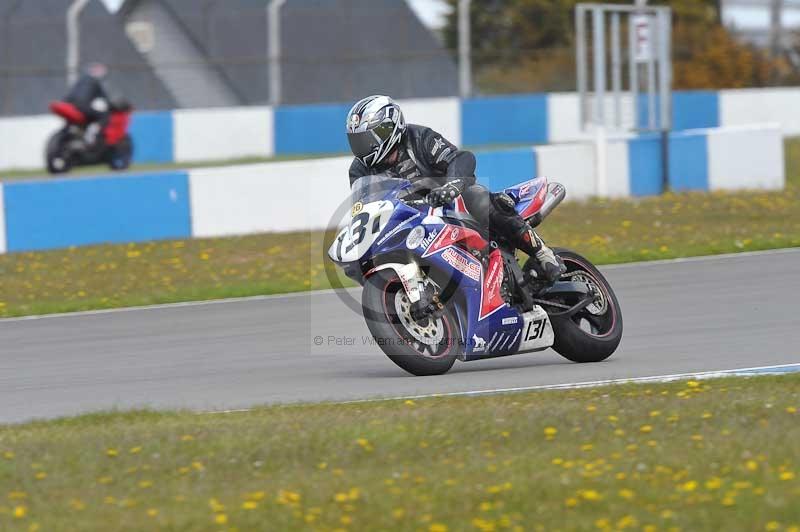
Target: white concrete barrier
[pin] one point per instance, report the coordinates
(220, 134)
(748, 106)
(746, 158)
(289, 196)
(23, 140)
(440, 114)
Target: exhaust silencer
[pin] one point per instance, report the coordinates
(555, 195)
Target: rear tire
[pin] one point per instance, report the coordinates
(58, 162)
(589, 336)
(121, 154)
(422, 349)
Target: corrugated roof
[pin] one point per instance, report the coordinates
(33, 56)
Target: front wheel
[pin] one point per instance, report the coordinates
(56, 156)
(592, 334)
(428, 347)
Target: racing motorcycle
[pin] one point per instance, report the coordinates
(70, 145)
(437, 287)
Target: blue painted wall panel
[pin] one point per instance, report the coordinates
(690, 110)
(152, 135)
(64, 212)
(695, 110)
(645, 166)
(688, 161)
(311, 129)
(504, 120)
(500, 169)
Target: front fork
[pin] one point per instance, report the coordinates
(422, 293)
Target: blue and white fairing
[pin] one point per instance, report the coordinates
(381, 227)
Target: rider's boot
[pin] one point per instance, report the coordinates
(506, 221)
(547, 265)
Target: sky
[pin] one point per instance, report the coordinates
(431, 12)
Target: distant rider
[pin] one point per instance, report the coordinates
(91, 96)
(381, 141)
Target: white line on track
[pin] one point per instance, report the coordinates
(704, 258)
(754, 371)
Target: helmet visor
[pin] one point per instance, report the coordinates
(363, 143)
(366, 143)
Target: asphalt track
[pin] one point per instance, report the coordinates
(688, 316)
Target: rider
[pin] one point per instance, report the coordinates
(91, 96)
(382, 142)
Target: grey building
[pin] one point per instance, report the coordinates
(214, 52)
(33, 56)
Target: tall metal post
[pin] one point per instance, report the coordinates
(633, 72)
(74, 39)
(664, 22)
(580, 62)
(274, 50)
(616, 68)
(598, 29)
(464, 49)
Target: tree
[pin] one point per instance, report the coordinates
(528, 45)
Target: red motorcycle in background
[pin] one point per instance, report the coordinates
(77, 145)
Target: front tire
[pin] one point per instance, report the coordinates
(593, 334)
(421, 348)
(58, 161)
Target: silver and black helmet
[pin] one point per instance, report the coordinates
(375, 125)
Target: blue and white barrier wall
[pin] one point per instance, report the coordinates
(243, 199)
(234, 133)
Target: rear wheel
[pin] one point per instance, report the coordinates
(427, 347)
(591, 334)
(121, 154)
(56, 156)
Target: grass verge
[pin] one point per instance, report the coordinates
(95, 277)
(709, 455)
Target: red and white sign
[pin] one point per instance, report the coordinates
(643, 41)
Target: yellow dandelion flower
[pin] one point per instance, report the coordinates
(728, 501)
(791, 410)
(187, 437)
(591, 408)
(772, 525)
(398, 513)
(550, 432)
(221, 519)
(690, 485)
(626, 494)
(135, 450)
(787, 475)
(249, 505)
(8, 455)
(693, 384)
(111, 453)
(713, 483)
(751, 465)
(646, 429)
(571, 502)
(41, 475)
(437, 527)
(20, 511)
(152, 512)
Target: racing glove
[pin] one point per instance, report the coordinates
(445, 194)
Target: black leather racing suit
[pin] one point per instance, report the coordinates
(426, 153)
(85, 91)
